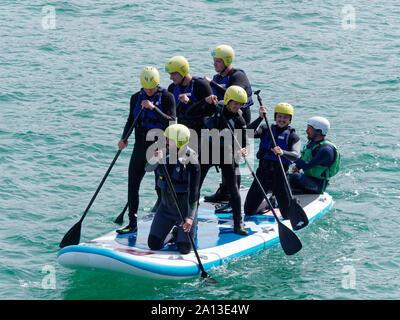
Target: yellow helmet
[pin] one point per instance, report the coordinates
(177, 64)
(179, 133)
(284, 108)
(225, 53)
(235, 93)
(149, 78)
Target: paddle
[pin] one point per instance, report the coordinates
(298, 218)
(73, 236)
(289, 241)
(120, 218)
(204, 274)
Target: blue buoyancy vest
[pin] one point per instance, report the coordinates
(182, 107)
(223, 82)
(266, 144)
(148, 118)
(179, 176)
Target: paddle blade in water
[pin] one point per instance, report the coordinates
(289, 241)
(72, 237)
(297, 216)
(207, 279)
(120, 218)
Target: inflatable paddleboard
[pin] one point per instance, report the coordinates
(216, 243)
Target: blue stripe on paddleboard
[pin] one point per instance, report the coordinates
(178, 271)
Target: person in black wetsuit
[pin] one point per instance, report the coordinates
(159, 110)
(269, 172)
(222, 115)
(223, 56)
(188, 91)
(184, 171)
(320, 159)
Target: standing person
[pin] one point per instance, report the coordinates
(224, 114)
(269, 172)
(188, 91)
(185, 178)
(320, 159)
(159, 110)
(223, 56)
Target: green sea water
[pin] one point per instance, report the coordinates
(67, 71)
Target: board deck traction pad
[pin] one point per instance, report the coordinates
(216, 243)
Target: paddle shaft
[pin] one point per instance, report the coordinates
(125, 138)
(66, 240)
(204, 274)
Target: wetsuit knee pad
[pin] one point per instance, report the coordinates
(154, 243)
(184, 247)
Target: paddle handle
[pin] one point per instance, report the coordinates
(73, 235)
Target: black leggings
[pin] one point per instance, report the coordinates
(270, 176)
(231, 179)
(135, 176)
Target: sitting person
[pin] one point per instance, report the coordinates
(320, 159)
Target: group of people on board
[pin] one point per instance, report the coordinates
(193, 105)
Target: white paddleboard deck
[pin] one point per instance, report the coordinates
(216, 243)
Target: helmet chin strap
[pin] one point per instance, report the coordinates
(223, 71)
(182, 81)
(316, 135)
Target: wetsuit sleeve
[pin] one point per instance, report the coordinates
(204, 110)
(218, 88)
(168, 103)
(238, 78)
(201, 90)
(324, 156)
(241, 124)
(254, 125)
(171, 88)
(260, 131)
(194, 188)
(294, 145)
(131, 118)
(151, 165)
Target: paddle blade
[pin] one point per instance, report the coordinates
(207, 279)
(289, 241)
(298, 218)
(119, 219)
(73, 236)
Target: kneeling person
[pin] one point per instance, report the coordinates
(185, 178)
